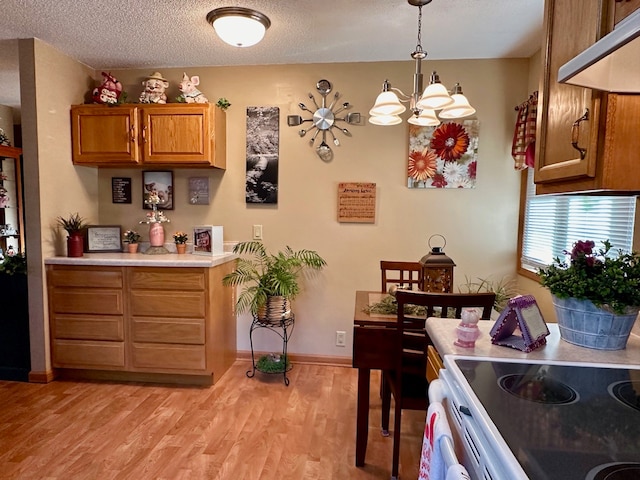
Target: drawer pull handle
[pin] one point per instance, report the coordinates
(133, 134)
(144, 134)
(575, 133)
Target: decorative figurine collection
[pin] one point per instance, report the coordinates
(190, 94)
(154, 87)
(109, 92)
(467, 330)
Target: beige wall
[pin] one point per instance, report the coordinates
(480, 224)
(50, 82)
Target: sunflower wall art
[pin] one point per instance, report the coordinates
(445, 156)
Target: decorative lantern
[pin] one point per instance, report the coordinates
(437, 269)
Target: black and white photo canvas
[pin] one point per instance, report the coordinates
(263, 143)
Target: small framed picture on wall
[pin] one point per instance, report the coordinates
(160, 184)
(207, 240)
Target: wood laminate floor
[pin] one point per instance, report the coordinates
(241, 428)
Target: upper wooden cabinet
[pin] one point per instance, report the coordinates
(171, 135)
(624, 8)
(585, 139)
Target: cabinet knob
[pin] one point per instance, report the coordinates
(575, 134)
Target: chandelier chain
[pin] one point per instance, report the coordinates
(419, 44)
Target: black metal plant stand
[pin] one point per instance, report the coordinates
(283, 328)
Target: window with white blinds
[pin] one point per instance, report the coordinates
(552, 223)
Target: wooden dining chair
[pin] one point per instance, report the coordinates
(407, 382)
(408, 274)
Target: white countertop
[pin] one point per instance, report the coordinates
(443, 334)
(142, 260)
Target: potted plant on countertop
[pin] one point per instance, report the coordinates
(596, 295)
(270, 281)
(180, 239)
(131, 237)
(74, 225)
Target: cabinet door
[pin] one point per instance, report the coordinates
(175, 134)
(104, 135)
(624, 8)
(571, 26)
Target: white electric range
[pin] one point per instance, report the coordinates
(542, 420)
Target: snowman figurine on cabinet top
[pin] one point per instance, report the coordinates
(467, 330)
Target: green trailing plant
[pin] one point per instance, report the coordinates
(389, 306)
(266, 275)
(273, 363)
(611, 281)
(504, 289)
(14, 264)
(73, 223)
(223, 103)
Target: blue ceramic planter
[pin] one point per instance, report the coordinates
(582, 323)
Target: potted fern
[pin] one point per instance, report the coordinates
(270, 281)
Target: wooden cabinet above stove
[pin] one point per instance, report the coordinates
(586, 140)
(170, 135)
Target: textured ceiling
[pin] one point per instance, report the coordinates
(175, 33)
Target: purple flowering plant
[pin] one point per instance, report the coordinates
(611, 281)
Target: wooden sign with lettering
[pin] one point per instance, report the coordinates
(357, 202)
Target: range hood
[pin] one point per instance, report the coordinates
(612, 63)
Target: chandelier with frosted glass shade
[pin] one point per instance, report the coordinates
(427, 106)
(239, 26)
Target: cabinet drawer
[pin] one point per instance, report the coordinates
(167, 304)
(168, 330)
(89, 327)
(167, 279)
(87, 354)
(60, 277)
(169, 357)
(87, 301)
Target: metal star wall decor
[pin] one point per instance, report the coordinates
(325, 119)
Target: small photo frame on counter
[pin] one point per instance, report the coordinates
(521, 315)
(207, 240)
(103, 238)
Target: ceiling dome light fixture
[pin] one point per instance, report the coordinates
(423, 104)
(239, 26)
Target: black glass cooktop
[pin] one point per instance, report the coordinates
(563, 422)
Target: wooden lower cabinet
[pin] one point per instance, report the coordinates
(142, 320)
(434, 363)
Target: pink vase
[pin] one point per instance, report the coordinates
(156, 235)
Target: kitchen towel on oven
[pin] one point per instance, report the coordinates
(432, 463)
(457, 472)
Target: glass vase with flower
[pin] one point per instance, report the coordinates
(131, 238)
(180, 239)
(155, 218)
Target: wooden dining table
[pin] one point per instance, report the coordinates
(372, 350)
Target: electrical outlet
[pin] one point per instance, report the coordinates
(341, 338)
(257, 232)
